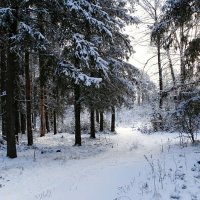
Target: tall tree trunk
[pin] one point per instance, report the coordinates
(56, 96)
(54, 122)
(17, 122)
(101, 121)
(47, 120)
(182, 62)
(23, 123)
(92, 123)
(113, 120)
(139, 97)
(77, 109)
(10, 105)
(34, 114)
(42, 113)
(171, 67)
(42, 66)
(12, 66)
(3, 89)
(28, 100)
(46, 112)
(160, 74)
(143, 97)
(42, 94)
(97, 116)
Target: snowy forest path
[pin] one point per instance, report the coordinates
(97, 177)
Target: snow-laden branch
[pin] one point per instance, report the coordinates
(79, 77)
(6, 17)
(32, 32)
(85, 51)
(185, 105)
(27, 32)
(88, 10)
(3, 94)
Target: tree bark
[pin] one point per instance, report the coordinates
(10, 107)
(42, 65)
(160, 75)
(113, 120)
(47, 120)
(3, 89)
(97, 116)
(182, 62)
(92, 123)
(54, 122)
(42, 94)
(23, 123)
(139, 97)
(42, 113)
(77, 109)
(28, 100)
(171, 67)
(101, 122)
(17, 122)
(12, 66)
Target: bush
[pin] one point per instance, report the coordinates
(186, 118)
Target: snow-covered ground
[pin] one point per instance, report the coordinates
(123, 166)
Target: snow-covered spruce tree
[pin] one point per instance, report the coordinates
(90, 21)
(8, 27)
(122, 77)
(119, 85)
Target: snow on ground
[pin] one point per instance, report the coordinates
(123, 166)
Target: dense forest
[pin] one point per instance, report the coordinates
(55, 54)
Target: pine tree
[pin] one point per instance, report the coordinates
(3, 88)
(28, 99)
(12, 65)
